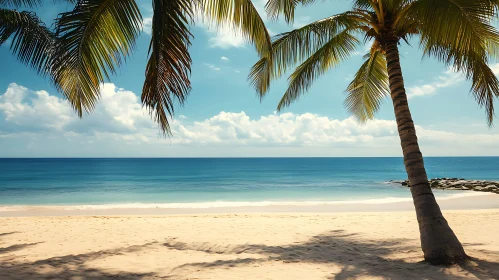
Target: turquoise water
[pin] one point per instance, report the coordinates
(188, 180)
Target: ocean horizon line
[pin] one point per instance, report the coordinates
(246, 157)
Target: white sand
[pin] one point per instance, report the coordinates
(366, 245)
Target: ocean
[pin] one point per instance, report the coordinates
(233, 181)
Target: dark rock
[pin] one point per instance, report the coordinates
(458, 184)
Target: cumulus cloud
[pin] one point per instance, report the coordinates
(285, 129)
(225, 58)
(118, 111)
(35, 123)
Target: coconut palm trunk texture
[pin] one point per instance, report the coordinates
(439, 243)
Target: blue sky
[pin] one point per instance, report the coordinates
(224, 117)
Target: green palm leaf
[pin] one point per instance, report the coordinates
(20, 3)
(465, 41)
(241, 15)
(329, 55)
(92, 40)
(32, 42)
(466, 27)
(286, 7)
(368, 88)
(29, 3)
(169, 66)
(485, 88)
(293, 47)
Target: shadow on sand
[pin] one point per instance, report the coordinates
(63, 267)
(356, 257)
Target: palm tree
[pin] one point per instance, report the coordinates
(456, 32)
(96, 36)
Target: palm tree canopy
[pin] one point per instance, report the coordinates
(457, 32)
(93, 39)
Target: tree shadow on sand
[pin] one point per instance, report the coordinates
(13, 248)
(64, 267)
(7, 233)
(17, 247)
(356, 257)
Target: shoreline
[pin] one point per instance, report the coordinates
(459, 201)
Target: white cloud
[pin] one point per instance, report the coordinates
(225, 58)
(447, 79)
(286, 129)
(35, 123)
(27, 111)
(421, 90)
(147, 25)
(225, 37)
(42, 112)
(212, 67)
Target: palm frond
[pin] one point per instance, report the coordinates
(362, 4)
(241, 15)
(169, 66)
(485, 88)
(460, 34)
(93, 39)
(286, 7)
(32, 42)
(292, 47)
(29, 3)
(368, 88)
(460, 26)
(385, 5)
(261, 75)
(20, 3)
(329, 55)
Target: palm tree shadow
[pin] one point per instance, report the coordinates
(8, 233)
(16, 247)
(356, 257)
(68, 266)
(482, 269)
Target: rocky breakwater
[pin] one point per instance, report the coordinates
(459, 184)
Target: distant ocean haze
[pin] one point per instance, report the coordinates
(226, 181)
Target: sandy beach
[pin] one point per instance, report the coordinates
(287, 245)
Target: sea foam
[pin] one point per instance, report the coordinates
(225, 204)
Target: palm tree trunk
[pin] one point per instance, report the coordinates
(439, 243)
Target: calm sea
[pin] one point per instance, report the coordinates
(194, 180)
